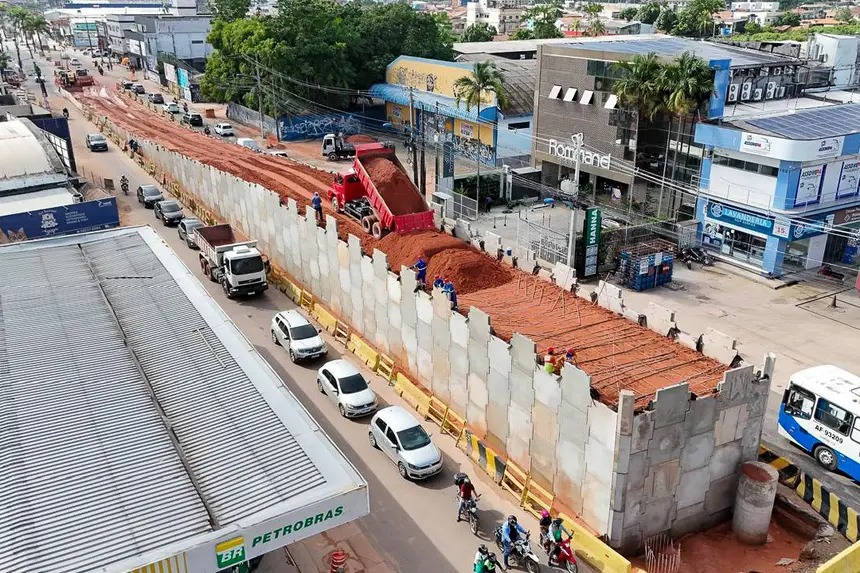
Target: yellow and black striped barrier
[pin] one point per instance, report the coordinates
(829, 506)
(484, 457)
(788, 472)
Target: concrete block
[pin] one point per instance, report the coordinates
(631, 315)
(693, 487)
(721, 494)
(425, 335)
(499, 353)
(497, 421)
(564, 276)
(354, 244)
(441, 305)
(769, 365)
(476, 409)
(609, 297)
(424, 361)
(637, 471)
(671, 404)
(601, 425)
(616, 524)
(658, 516)
(522, 387)
(570, 469)
(519, 434)
(576, 387)
(743, 418)
(726, 460)
(736, 386)
(701, 416)
(544, 423)
(758, 394)
(479, 325)
(459, 330)
(727, 424)
(441, 334)
(626, 412)
(492, 242)
(523, 352)
(595, 505)
(751, 439)
(546, 389)
(662, 480)
(393, 287)
(622, 453)
(407, 280)
(643, 431)
(719, 346)
(441, 374)
(618, 492)
(666, 444)
(697, 452)
(380, 264)
(631, 539)
(545, 275)
(596, 467)
(573, 426)
(688, 340)
(424, 307)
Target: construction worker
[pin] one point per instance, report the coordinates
(570, 356)
(448, 289)
(316, 203)
(549, 360)
(420, 268)
(438, 281)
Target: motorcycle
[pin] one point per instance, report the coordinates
(521, 552)
(66, 113)
(469, 512)
(564, 558)
(827, 271)
(124, 186)
(692, 255)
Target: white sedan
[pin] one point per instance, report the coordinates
(171, 107)
(344, 385)
(224, 129)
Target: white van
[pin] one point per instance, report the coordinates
(249, 143)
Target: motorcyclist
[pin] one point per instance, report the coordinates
(556, 532)
(545, 522)
(206, 130)
(185, 107)
(66, 112)
(481, 556)
(489, 564)
(123, 183)
(464, 493)
(511, 531)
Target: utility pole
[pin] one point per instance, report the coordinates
(413, 149)
(577, 154)
(423, 157)
(438, 141)
(260, 99)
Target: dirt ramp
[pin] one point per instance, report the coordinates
(469, 270)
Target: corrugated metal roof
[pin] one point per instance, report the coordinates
(34, 201)
(90, 327)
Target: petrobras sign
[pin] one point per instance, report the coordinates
(568, 152)
(791, 150)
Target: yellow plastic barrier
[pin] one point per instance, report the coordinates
(293, 291)
(537, 498)
(385, 368)
(453, 424)
(846, 562)
(363, 350)
(412, 394)
(484, 457)
(437, 411)
(600, 556)
(515, 481)
(324, 317)
(306, 300)
(341, 332)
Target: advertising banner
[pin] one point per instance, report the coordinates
(591, 239)
(791, 150)
(66, 220)
(849, 179)
(809, 186)
(182, 77)
(170, 73)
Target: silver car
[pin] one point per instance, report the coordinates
(344, 385)
(400, 435)
(294, 332)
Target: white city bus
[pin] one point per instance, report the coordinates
(820, 412)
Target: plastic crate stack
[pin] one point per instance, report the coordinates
(648, 265)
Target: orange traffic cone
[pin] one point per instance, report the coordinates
(338, 561)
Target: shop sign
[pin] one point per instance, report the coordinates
(781, 227)
(466, 130)
(591, 238)
(739, 218)
(847, 216)
(849, 179)
(781, 148)
(568, 152)
(809, 185)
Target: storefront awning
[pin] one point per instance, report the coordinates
(400, 95)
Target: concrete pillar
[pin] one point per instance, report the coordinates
(774, 253)
(754, 502)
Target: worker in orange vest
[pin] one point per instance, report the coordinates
(549, 360)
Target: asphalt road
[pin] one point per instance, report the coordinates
(411, 525)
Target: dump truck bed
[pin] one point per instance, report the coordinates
(218, 239)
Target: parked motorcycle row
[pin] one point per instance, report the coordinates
(696, 255)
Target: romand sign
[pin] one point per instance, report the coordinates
(568, 152)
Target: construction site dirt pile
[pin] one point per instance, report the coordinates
(359, 138)
(394, 186)
(617, 353)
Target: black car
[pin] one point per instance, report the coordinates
(186, 231)
(170, 212)
(156, 98)
(138, 89)
(96, 142)
(149, 195)
(126, 84)
(193, 119)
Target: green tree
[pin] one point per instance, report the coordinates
(751, 27)
(667, 20)
(523, 34)
(229, 10)
(37, 25)
(697, 19)
(640, 85)
(18, 16)
(446, 27)
(480, 32)
(787, 19)
(843, 14)
(543, 18)
(629, 14)
(595, 28)
(4, 60)
(484, 80)
(649, 12)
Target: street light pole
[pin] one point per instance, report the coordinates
(577, 154)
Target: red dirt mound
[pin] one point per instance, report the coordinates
(405, 249)
(394, 185)
(359, 138)
(469, 270)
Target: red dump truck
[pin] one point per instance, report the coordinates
(377, 191)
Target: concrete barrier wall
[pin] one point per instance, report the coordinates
(614, 469)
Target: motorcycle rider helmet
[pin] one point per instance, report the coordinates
(557, 521)
(492, 558)
(544, 514)
(512, 519)
(482, 549)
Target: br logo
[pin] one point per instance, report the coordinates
(230, 552)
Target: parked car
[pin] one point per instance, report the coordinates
(224, 129)
(96, 142)
(74, 62)
(192, 119)
(294, 332)
(156, 98)
(170, 212)
(400, 435)
(278, 153)
(186, 231)
(138, 89)
(249, 143)
(171, 107)
(345, 386)
(149, 195)
(126, 84)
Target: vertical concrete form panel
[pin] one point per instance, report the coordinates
(499, 394)
(621, 467)
(409, 312)
(380, 302)
(357, 316)
(459, 359)
(424, 310)
(754, 502)
(599, 456)
(395, 318)
(441, 340)
(479, 370)
(308, 234)
(344, 279)
(573, 430)
(544, 444)
(522, 400)
(368, 297)
(295, 253)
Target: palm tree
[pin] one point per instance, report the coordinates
(484, 80)
(640, 86)
(4, 60)
(595, 28)
(18, 16)
(38, 25)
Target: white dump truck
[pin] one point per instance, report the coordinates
(228, 258)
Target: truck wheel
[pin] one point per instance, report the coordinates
(226, 290)
(335, 205)
(366, 223)
(376, 230)
(211, 273)
(332, 156)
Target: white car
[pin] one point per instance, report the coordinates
(249, 143)
(345, 386)
(74, 62)
(294, 332)
(171, 107)
(399, 434)
(224, 129)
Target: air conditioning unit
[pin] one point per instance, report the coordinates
(771, 90)
(777, 71)
(746, 91)
(780, 92)
(757, 94)
(733, 92)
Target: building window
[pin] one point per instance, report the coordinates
(519, 125)
(196, 41)
(745, 165)
(570, 94)
(554, 92)
(586, 97)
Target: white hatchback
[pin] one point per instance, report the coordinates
(294, 332)
(171, 107)
(224, 129)
(400, 435)
(344, 385)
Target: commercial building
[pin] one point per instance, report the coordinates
(421, 91)
(145, 432)
(626, 155)
(781, 192)
(183, 37)
(504, 16)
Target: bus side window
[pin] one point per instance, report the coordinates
(833, 416)
(855, 431)
(799, 403)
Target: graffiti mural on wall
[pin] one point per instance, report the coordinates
(317, 126)
(415, 79)
(464, 143)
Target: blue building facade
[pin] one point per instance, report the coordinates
(782, 193)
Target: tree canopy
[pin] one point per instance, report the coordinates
(787, 19)
(315, 52)
(649, 12)
(480, 32)
(799, 35)
(543, 18)
(629, 13)
(697, 19)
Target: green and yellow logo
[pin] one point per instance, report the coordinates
(230, 552)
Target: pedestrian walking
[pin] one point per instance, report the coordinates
(316, 203)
